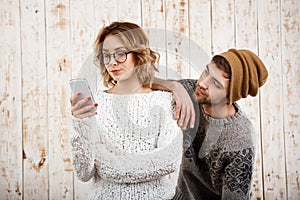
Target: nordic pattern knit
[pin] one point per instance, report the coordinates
(219, 162)
(129, 148)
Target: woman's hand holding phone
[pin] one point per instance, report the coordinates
(82, 101)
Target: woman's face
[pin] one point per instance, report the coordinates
(119, 62)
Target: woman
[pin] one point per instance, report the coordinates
(131, 143)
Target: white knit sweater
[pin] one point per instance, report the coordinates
(129, 148)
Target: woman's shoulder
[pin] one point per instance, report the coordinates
(161, 93)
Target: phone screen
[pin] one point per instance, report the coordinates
(81, 85)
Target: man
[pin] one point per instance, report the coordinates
(220, 150)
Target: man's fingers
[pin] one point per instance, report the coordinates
(186, 119)
(178, 109)
(192, 118)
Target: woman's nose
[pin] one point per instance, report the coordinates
(112, 61)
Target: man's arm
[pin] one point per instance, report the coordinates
(185, 113)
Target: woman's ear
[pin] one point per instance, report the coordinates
(227, 101)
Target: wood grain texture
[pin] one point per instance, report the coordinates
(246, 36)
(11, 157)
(177, 33)
(290, 29)
(58, 74)
(34, 97)
(82, 38)
(273, 150)
(46, 43)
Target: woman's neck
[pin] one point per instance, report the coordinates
(129, 86)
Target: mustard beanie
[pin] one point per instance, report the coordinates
(248, 73)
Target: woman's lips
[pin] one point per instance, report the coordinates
(115, 71)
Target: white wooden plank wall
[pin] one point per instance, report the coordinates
(45, 43)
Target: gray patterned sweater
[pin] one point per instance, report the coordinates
(129, 148)
(219, 157)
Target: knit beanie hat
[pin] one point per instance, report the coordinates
(248, 73)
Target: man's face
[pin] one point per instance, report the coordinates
(212, 87)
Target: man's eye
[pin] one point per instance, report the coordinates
(217, 84)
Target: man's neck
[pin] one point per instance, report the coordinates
(220, 111)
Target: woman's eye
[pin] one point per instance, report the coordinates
(119, 54)
(106, 55)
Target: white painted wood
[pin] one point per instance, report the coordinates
(11, 186)
(246, 35)
(82, 38)
(222, 25)
(200, 36)
(177, 39)
(153, 23)
(58, 75)
(43, 45)
(104, 16)
(35, 106)
(290, 28)
(130, 10)
(273, 156)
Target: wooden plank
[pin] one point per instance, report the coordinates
(200, 36)
(153, 21)
(291, 93)
(130, 10)
(273, 156)
(35, 110)
(11, 186)
(246, 37)
(177, 39)
(223, 24)
(58, 75)
(103, 16)
(82, 38)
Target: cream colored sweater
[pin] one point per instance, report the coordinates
(129, 148)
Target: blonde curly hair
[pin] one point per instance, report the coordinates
(136, 41)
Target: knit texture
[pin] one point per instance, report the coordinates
(248, 73)
(129, 148)
(219, 162)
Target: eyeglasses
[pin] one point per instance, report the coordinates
(119, 56)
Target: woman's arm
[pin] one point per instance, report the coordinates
(82, 144)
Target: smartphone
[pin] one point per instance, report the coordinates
(81, 85)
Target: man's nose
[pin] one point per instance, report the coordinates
(204, 82)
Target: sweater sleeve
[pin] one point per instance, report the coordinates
(82, 154)
(146, 166)
(236, 183)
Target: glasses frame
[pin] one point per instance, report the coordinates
(100, 57)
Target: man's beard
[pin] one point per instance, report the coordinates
(206, 101)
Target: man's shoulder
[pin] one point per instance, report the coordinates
(188, 83)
